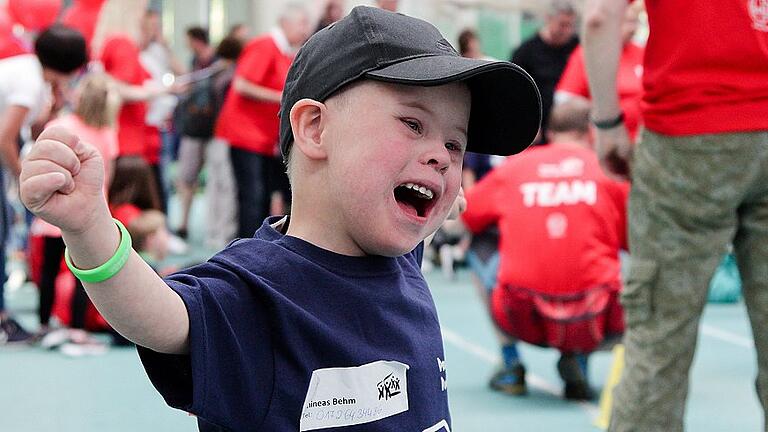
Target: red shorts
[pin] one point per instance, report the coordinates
(573, 323)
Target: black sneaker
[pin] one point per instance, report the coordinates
(573, 370)
(510, 380)
(11, 332)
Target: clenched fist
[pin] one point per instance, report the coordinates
(62, 181)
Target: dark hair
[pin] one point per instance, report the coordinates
(465, 37)
(229, 48)
(198, 33)
(134, 183)
(61, 49)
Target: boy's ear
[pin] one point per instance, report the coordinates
(307, 122)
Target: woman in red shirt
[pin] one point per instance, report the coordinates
(115, 46)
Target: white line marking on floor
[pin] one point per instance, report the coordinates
(726, 336)
(489, 357)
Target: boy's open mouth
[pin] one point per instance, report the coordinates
(415, 199)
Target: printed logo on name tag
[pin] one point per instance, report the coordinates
(355, 395)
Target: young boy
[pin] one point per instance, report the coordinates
(322, 320)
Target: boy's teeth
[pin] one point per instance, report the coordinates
(420, 189)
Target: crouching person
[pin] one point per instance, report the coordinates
(562, 225)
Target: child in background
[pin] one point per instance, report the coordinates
(133, 201)
(321, 320)
(96, 103)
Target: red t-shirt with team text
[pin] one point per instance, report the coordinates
(250, 124)
(120, 57)
(706, 66)
(562, 222)
(628, 82)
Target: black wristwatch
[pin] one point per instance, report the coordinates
(609, 123)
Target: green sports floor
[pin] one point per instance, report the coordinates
(46, 391)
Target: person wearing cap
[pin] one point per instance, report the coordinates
(553, 204)
(698, 183)
(323, 319)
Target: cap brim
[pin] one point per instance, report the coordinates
(506, 105)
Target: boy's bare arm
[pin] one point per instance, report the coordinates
(61, 182)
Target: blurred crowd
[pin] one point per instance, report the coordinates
(104, 70)
(204, 129)
(168, 129)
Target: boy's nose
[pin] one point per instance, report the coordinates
(437, 156)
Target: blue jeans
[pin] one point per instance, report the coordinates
(486, 271)
(5, 222)
(251, 172)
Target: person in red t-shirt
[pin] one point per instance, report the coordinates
(249, 118)
(83, 16)
(698, 184)
(115, 45)
(562, 225)
(573, 81)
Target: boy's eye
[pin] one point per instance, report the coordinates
(454, 146)
(413, 125)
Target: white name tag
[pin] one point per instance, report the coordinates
(355, 395)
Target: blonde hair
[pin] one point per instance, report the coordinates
(118, 17)
(98, 100)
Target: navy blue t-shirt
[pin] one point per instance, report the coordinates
(272, 314)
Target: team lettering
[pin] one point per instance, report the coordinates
(553, 194)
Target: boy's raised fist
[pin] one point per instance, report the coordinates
(62, 180)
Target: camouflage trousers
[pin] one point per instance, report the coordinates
(691, 197)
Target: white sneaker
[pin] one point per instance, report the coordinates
(55, 338)
(79, 350)
(177, 245)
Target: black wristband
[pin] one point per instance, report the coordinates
(610, 123)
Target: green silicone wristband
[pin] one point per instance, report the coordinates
(109, 268)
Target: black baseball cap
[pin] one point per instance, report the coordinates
(384, 46)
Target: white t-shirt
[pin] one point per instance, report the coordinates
(156, 61)
(22, 84)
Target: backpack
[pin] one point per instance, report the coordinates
(196, 112)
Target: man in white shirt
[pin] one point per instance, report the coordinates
(25, 85)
